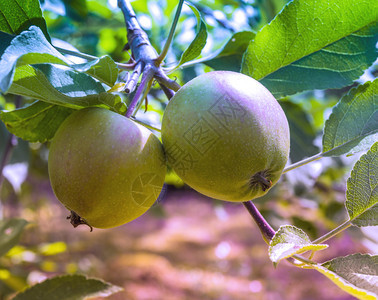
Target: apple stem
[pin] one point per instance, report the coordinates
(167, 45)
(303, 162)
(266, 230)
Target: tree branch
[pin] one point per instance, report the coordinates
(137, 39)
(146, 59)
(165, 80)
(167, 91)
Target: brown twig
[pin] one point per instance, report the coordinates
(163, 79)
(167, 91)
(146, 78)
(133, 80)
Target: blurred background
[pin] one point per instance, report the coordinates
(187, 246)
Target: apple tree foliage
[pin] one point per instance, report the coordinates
(314, 56)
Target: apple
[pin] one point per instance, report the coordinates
(105, 168)
(226, 136)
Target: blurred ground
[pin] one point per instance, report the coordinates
(186, 247)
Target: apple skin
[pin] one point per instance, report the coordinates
(221, 131)
(106, 168)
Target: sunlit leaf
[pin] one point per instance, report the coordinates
(10, 233)
(357, 274)
(30, 47)
(56, 86)
(353, 124)
(103, 69)
(229, 57)
(314, 44)
(196, 46)
(290, 240)
(18, 15)
(117, 88)
(362, 192)
(37, 122)
(68, 287)
(62, 87)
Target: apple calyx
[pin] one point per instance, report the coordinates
(76, 220)
(261, 178)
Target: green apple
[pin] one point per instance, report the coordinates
(226, 136)
(105, 168)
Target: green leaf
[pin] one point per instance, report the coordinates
(362, 190)
(270, 8)
(356, 274)
(68, 88)
(306, 225)
(37, 122)
(314, 44)
(5, 39)
(10, 233)
(353, 123)
(68, 287)
(302, 132)
(30, 47)
(229, 57)
(196, 46)
(76, 9)
(103, 69)
(56, 86)
(290, 240)
(334, 66)
(18, 15)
